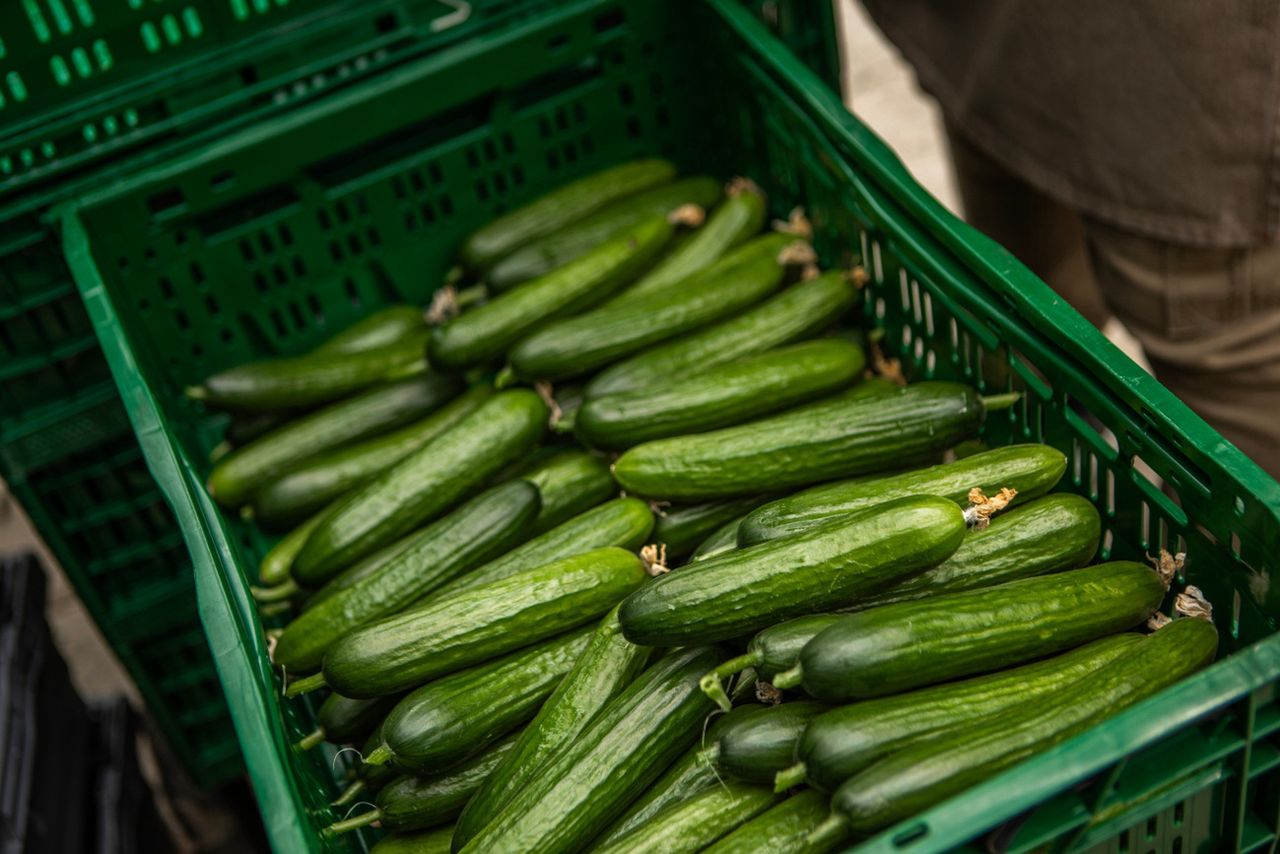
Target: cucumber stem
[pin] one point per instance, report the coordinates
(197, 392)
(274, 609)
(788, 678)
(311, 739)
(381, 755)
(246, 513)
(789, 777)
(564, 424)
(712, 685)
(471, 295)
(306, 684)
(278, 593)
(349, 794)
(829, 834)
(220, 450)
(505, 377)
(997, 402)
(354, 823)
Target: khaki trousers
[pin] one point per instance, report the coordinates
(1208, 319)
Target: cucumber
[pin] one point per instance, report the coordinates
(911, 644)
(793, 315)
(341, 719)
(569, 243)
(609, 664)
(622, 522)
(460, 630)
(247, 426)
(424, 485)
(277, 562)
(308, 380)
(578, 345)
(770, 652)
(304, 489)
(385, 326)
(477, 530)
(691, 825)
(570, 482)
(484, 333)
(1030, 469)
(837, 438)
(748, 589)
(427, 842)
(721, 396)
(920, 776)
(759, 745)
(355, 574)
(681, 528)
(621, 752)
(844, 741)
(449, 720)
(723, 539)
(244, 471)
(784, 829)
(559, 208)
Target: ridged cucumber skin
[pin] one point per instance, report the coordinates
(277, 563)
(608, 665)
(681, 528)
(921, 776)
(622, 522)
(690, 826)
(486, 332)
(426, 842)
(777, 648)
(620, 753)
(898, 647)
(364, 568)
(344, 719)
(784, 829)
(425, 484)
(578, 345)
(1049, 534)
(559, 208)
(468, 627)
(571, 242)
(451, 719)
(722, 396)
(792, 315)
(411, 802)
(385, 326)
(830, 439)
(570, 482)
(846, 740)
(479, 529)
(759, 745)
(290, 498)
(745, 590)
(312, 379)
(723, 539)
(246, 470)
(1032, 470)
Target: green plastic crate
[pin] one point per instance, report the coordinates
(392, 175)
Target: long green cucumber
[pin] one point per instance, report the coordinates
(621, 752)
(925, 641)
(569, 243)
(308, 380)
(385, 326)
(355, 574)
(723, 539)
(622, 522)
(769, 652)
(681, 528)
(559, 208)
(746, 590)
(477, 530)
(837, 438)
(1032, 470)
(844, 741)
(570, 482)
(920, 776)
(784, 829)
(244, 471)
(792, 315)
(578, 345)
(247, 426)
(468, 627)
(446, 721)
(762, 743)
(721, 396)
(278, 561)
(484, 333)
(609, 664)
(690, 826)
(290, 498)
(425, 484)
(341, 719)
(426, 842)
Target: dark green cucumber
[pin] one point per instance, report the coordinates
(574, 240)
(312, 379)
(793, 315)
(578, 345)
(681, 528)
(920, 776)
(1030, 469)
(837, 438)
(723, 539)
(447, 721)
(479, 529)
(458, 631)
(385, 326)
(559, 208)
(425, 484)
(247, 426)
(690, 826)
(278, 561)
(721, 396)
(1049, 534)
(570, 482)
(844, 741)
(759, 745)
(484, 333)
(622, 751)
(922, 642)
(746, 590)
(784, 829)
(623, 522)
(608, 665)
(341, 719)
(364, 568)
(426, 842)
(242, 473)
(770, 652)
(288, 499)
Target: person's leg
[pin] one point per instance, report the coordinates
(1209, 322)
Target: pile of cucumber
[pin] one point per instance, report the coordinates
(626, 550)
